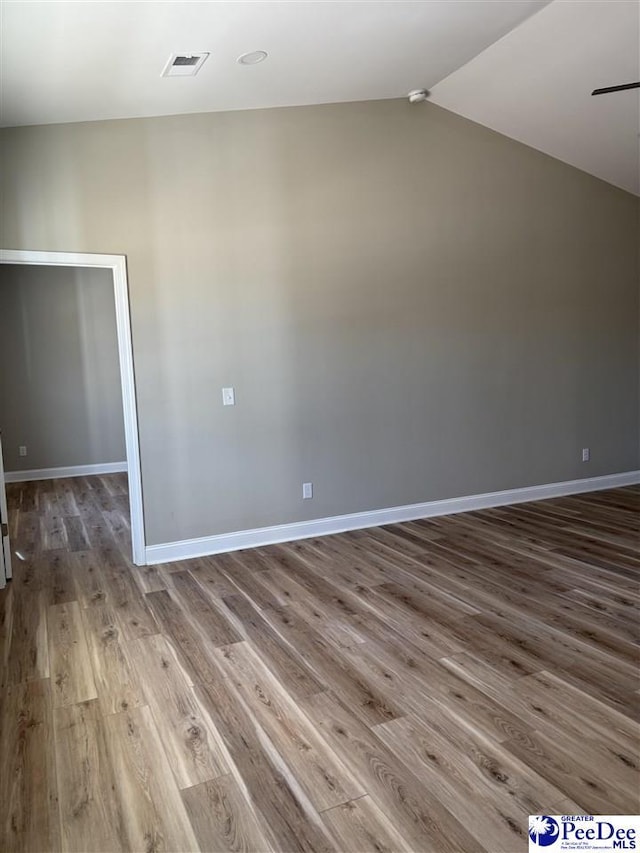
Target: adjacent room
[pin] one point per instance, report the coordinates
(320, 425)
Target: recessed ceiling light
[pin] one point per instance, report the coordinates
(253, 58)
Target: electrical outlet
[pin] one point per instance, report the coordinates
(22, 450)
(586, 454)
(228, 397)
(307, 491)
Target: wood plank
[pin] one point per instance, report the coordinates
(339, 632)
(131, 608)
(284, 659)
(617, 761)
(28, 786)
(288, 818)
(211, 620)
(27, 652)
(6, 631)
(186, 730)
(208, 572)
(117, 683)
(28, 538)
(66, 490)
(89, 807)
(152, 814)
(245, 573)
(361, 826)
(550, 691)
(365, 697)
(71, 673)
(100, 495)
(52, 531)
(92, 588)
(386, 615)
(475, 798)
(612, 677)
(570, 770)
(187, 640)
(63, 588)
(430, 827)
(223, 819)
(319, 770)
(415, 681)
(149, 578)
(345, 565)
(76, 534)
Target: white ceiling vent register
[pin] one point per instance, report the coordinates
(184, 64)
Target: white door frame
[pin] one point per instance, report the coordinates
(5, 547)
(118, 266)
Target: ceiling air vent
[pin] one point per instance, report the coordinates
(184, 64)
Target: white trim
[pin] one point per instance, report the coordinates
(118, 266)
(68, 471)
(5, 546)
(189, 548)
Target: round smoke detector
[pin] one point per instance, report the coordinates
(417, 96)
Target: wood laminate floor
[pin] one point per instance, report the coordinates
(417, 687)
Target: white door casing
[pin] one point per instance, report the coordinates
(5, 546)
(118, 266)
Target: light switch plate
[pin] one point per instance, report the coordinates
(228, 397)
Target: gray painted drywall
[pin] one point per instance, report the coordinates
(410, 306)
(59, 379)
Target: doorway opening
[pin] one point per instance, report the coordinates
(116, 264)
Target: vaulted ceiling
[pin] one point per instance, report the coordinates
(523, 67)
(535, 85)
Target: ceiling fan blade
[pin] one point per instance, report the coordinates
(616, 88)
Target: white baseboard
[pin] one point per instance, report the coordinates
(202, 547)
(69, 471)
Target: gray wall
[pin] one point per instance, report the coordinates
(410, 306)
(59, 376)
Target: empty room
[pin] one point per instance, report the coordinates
(319, 426)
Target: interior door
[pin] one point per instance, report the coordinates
(5, 550)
